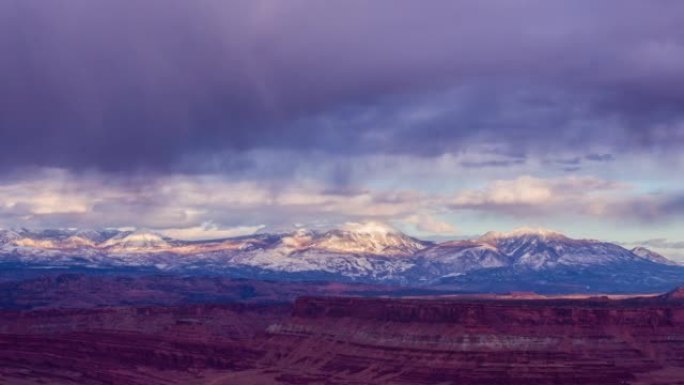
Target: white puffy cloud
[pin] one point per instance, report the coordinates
(210, 230)
(188, 206)
(430, 225)
(209, 206)
(526, 195)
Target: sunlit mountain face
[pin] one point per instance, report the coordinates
(537, 260)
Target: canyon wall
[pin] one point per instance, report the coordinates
(336, 340)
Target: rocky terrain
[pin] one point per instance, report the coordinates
(132, 345)
(518, 339)
(84, 291)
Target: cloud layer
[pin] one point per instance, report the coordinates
(176, 85)
(218, 117)
(205, 206)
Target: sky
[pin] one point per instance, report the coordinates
(445, 119)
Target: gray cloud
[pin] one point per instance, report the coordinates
(600, 157)
(650, 208)
(527, 196)
(659, 243)
(180, 86)
(62, 199)
(492, 163)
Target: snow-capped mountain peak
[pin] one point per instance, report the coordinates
(7, 236)
(651, 255)
(137, 240)
(366, 251)
(369, 227)
(368, 238)
(76, 241)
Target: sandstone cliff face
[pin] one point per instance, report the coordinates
(322, 340)
(497, 315)
(483, 342)
(129, 345)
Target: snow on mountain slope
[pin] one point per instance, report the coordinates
(136, 241)
(8, 236)
(538, 248)
(368, 238)
(356, 250)
(76, 242)
(534, 249)
(365, 251)
(320, 261)
(457, 257)
(652, 256)
(55, 238)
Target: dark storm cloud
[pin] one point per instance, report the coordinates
(492, 163)
(600, 157)
(121, 85)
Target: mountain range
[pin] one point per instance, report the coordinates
(522, 259)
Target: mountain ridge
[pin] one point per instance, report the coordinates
(362, 239)
(365, 252)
